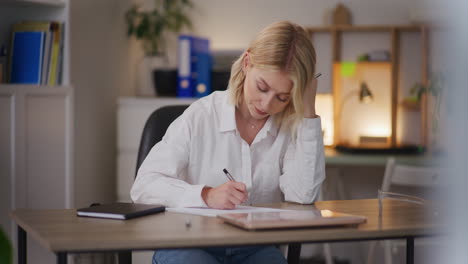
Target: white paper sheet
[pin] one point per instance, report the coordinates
(205, 211)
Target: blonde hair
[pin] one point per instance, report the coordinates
(281, 46)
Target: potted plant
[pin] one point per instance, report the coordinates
(434, 89)
(151, 27)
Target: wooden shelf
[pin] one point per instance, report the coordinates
(365, 28)
(35, 86)
(50, 3)
(30, 88)
(394, 33)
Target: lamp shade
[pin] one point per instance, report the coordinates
(365, 94)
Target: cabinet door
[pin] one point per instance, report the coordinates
(6, 160)
(43, 120)
(46, 155)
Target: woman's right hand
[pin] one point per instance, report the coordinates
(225, 196)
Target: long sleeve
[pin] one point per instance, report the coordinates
(161, 177)
(204, 140)
(304, 164)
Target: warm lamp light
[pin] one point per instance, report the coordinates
(362, 128)
(373, 130)
(364, 93)
(365, 96)
(324, 107)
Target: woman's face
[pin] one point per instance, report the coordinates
(266, 92)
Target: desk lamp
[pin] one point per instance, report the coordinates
(365, 96)
(364, 93)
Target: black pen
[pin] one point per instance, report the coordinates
(228, 175)
(318, 75)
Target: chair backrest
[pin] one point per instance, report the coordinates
(411, 176)
(155, 128)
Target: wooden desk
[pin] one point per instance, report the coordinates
(62, 232)
(334, 158)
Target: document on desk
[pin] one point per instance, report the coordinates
(206, 211)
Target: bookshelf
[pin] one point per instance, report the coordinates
(36, 124)
(14, 11)
(394, 34)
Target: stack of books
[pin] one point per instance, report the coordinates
(36, 53)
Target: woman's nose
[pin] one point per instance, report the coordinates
(267, 102)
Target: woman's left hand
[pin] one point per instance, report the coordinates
(309, 99)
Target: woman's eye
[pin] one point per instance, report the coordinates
(261, 89)
(282, 98)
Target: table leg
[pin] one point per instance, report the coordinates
(62, 258)
(410, 250)
(125, 257)
(294, 253)
(22, 246)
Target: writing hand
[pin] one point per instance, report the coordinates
(225, 196)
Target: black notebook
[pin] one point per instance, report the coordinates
(120, 210)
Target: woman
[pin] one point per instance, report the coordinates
(263, 130)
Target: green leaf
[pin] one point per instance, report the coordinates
(6, 254)
(143, 27)
(151, 26)
(130, 17)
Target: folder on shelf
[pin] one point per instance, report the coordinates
(42, 26)
(203, 81)
(53, 70)
(21, 61)
(120, 211)
(26, 57)
(194, 66)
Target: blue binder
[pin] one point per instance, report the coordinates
(203, 81)
(26, 57)
(194, 67)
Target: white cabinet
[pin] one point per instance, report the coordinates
(58, 143)
(36, 154)
(38, 145)
(132, 114)
(36, 130)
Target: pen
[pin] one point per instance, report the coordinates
(318, 75)
(228, 175)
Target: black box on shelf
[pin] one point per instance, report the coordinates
(220, 80)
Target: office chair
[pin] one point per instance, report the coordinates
(153, 132)
(155, 128)
(410, 179)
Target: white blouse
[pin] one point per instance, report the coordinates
(204, 140)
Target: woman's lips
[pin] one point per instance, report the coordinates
(260, 112)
